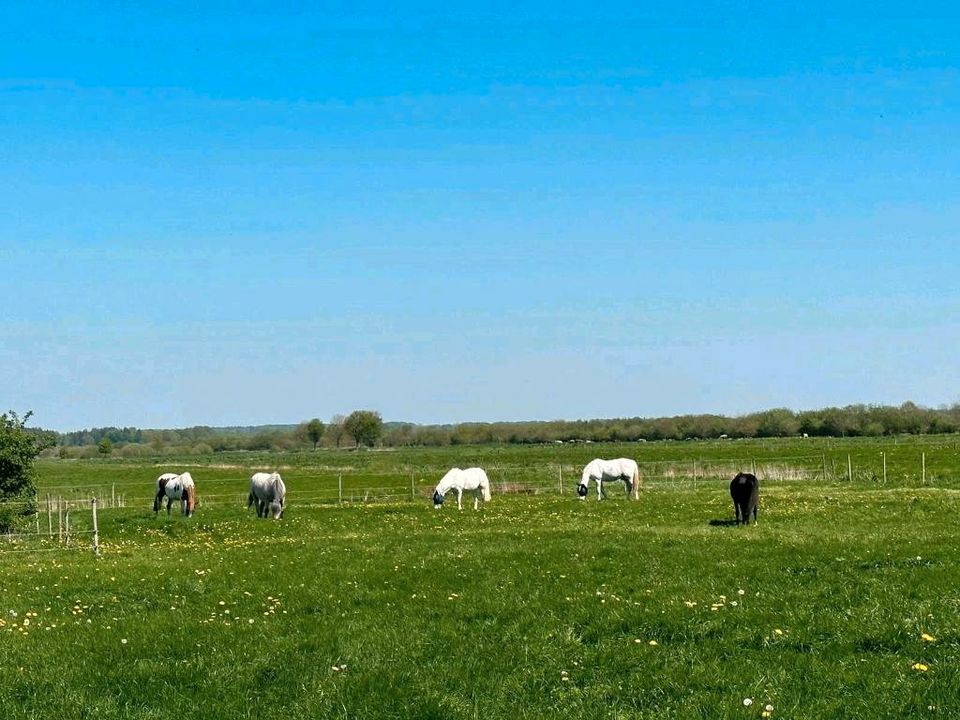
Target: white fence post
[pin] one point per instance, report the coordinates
(884, 467)
(96, 529)
(923, 468)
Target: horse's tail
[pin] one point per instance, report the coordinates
(637, 481)
(191, 492)
(486, 488)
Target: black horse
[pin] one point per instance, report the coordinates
(745, 491)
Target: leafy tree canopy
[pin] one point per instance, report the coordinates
(18, 448)
(364, 426)
(315, 431)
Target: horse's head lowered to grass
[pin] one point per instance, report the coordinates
(471, 479)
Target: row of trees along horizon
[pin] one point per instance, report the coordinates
(365, 428)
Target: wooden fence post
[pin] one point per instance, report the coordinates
(560, 480)
(923, 468)
(884, 467)
(340, 488)
(849, 469)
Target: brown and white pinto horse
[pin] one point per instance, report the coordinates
(176, 487)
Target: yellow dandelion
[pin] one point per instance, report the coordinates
(927, 638)
(920, 667)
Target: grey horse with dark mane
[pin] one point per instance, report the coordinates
(268, 493)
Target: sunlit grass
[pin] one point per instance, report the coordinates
(537, 606)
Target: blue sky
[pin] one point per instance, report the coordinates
(263, 212)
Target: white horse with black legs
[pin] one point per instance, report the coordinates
(269, 493)
(472, 480)
(176, 487)
(600, 471)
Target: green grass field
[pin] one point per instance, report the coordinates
(538, 606)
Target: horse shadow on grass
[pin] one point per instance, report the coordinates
(722, 523)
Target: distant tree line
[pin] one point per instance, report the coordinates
(365, 428)
(362, 428)
(849, 421)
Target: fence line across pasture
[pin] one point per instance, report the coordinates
(555, 475)
(330, 486)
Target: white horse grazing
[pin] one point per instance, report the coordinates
(473, 479)
(268, 492)
(176, 487)
(601, 471)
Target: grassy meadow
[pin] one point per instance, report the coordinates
(841, 602)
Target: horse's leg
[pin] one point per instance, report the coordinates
(158, 502)
(169, 503)
(476, 499)
(459, 497)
